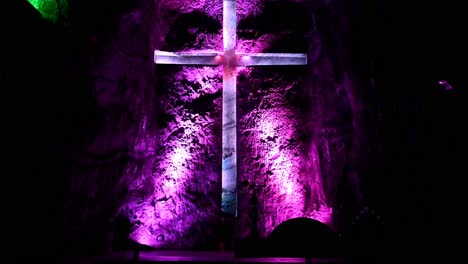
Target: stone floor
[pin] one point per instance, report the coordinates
(200, 257)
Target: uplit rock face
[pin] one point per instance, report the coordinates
(156, 146)
(182, 176)
(280, 175)
(119, 135)
(293, 128)
(181, 205)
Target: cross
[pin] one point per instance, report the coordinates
(229, 59)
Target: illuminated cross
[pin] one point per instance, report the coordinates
(229, 59)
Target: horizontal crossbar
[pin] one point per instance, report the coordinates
(186, 58)
(217, 58)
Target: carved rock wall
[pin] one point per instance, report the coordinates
(299, 127)
(143, 141)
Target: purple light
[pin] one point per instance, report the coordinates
(446, 85)
(217, 257)
(242, 70)
(165, 212)
(173, 160)
(293, 177)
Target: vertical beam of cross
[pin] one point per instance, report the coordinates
(230, 60)
(229, 143)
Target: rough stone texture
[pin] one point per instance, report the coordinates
(297, 127)
(122, 80)
(338, 133)
(182, 177)
(148, 148)
(53, 114)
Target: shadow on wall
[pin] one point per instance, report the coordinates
(308, 238)
(296, 237)
(304, 237)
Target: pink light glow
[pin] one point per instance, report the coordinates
(446, 85)
(168, 211)
(177, 160)
(164, 212)
(142, 236)
(281, 180)
(241, 70)
(322, 212)
(293, 180)
(292, 174)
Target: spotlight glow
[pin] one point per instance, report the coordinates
(49, 9)
(176, 194)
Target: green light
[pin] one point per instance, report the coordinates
(50, 9)
(35, 3)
